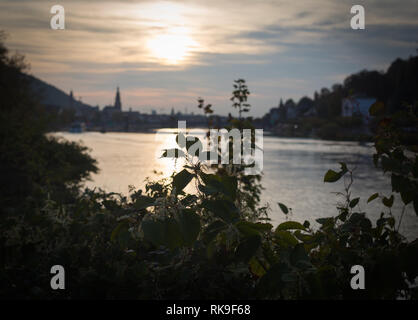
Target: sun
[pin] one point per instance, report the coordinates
(170, 48)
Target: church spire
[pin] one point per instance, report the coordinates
(118, 104)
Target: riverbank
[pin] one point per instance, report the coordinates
(329, 137)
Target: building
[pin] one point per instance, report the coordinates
(118, 103)
(291, 111)
(357, 106)
(117, 107)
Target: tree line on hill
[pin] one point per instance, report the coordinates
(396, 88)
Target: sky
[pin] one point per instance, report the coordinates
(167, 54)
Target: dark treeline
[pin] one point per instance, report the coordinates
(31, 162)
(396, 87)
(321, 116)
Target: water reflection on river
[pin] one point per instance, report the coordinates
(293, 171)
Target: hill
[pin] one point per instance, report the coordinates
(53, 97)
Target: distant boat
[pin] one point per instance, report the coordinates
(78, 127)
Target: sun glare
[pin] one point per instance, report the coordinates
(171, 48)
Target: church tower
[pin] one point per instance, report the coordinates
(118, 104)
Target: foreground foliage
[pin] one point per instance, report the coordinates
(168, 244)
(215, 243)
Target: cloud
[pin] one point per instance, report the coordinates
(283, 47)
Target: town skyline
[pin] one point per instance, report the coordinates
(166, 54)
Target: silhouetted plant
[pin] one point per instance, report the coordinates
(239, 97)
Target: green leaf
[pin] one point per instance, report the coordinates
(356, 218)
(302, 236)
(325, 221)
(188, 200)
(153, 231)
(223, 209)
(298, 254)
(397, 182)
(248, 248)
(344, 168)
(173, 235)
(283, 208)
(213, 230)
(229, 186)
(162, 232)
(332, 176)
(290, 225)
(181, 180)
(119, 230)
(189, 223)
(142, 202)
(207, 190)
(354, 202)
(250, 228)
(285, 238)
(372, 197)
(256, 268)
(407, 195)
(272, 282)
(226, 185)
(388, 202)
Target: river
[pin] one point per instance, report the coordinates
(293, 172)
